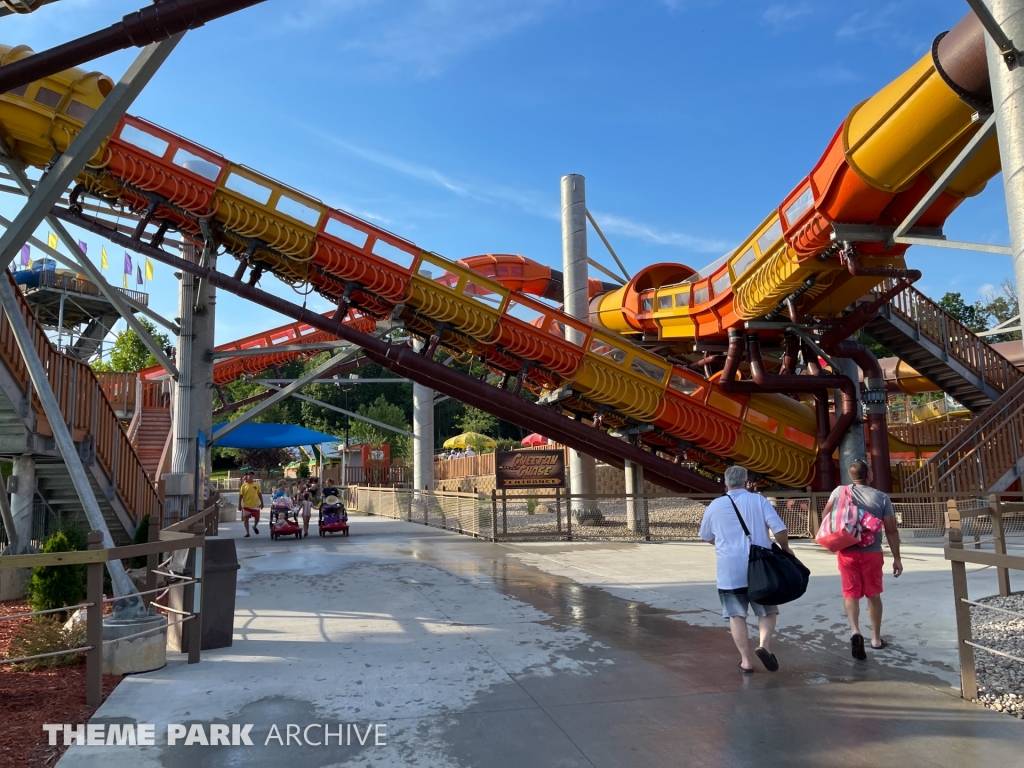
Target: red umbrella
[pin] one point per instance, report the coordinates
(534, 439)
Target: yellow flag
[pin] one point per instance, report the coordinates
(125, 281)
(51, 240)
(149, 269)
(103, 258)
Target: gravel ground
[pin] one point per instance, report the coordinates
(1000, 680)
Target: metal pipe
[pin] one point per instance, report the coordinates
(405, 362)
(791, 354)
(764, 382)
(152, 24)
(875, 408)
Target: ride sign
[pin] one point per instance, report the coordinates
(529, 469)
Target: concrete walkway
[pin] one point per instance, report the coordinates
(596, 654)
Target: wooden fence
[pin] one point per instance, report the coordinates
(999, 515)
(188, 534)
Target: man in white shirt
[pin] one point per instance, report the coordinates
(721, 527)
(470, 451)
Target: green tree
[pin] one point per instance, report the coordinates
(475, 420)
(971, 315)
(262, 458)
(1001, 307)
(129, 353)
(384, 411)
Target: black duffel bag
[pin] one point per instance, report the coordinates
(774, 576)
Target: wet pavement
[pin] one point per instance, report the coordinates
(598, 654)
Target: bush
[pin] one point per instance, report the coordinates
(55, 586)
(531, 505)
(47, 635)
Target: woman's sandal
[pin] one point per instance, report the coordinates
(744, 670)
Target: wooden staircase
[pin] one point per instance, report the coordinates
(987, 457)
(947, 353)
(123, 489)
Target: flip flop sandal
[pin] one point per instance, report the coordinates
(744, 670)
(768, 659)
(857, 647)
(880, 647)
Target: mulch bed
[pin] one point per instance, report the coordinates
(29, 699)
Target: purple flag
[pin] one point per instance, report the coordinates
(138, 275)
(26, 255)
(83, 246)
(127, 263)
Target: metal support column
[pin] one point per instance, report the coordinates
(582, 471)
(203, 319)
(636, 506)
(1008, 101)
(180, 482)
(22, 500)
(422, 442)
(852, 447)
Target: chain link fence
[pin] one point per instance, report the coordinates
(554, 515)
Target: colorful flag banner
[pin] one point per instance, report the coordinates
(149, 269)
(127, 263)
(26, 255)
(84, 247)
(51, 240)
(125, 279)
(103, 257)
(138, 276)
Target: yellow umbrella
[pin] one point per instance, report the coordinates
(474, 439)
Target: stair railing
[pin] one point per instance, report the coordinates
(85, 409)
(981, 455)
(956, 339)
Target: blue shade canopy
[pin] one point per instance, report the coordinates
(254, 435)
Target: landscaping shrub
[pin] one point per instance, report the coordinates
(54, 586)
(46, 635)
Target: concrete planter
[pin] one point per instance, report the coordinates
(139, 654)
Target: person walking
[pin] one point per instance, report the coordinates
(250, 502)
(860, 566)
(721, 527)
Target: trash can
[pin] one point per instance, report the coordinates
(220, 572)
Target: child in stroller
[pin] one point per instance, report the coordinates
(286, 524)
(281, 502)
(332, 518)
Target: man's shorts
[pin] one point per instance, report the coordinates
(861, 572)
(248, 512)
(736, 603)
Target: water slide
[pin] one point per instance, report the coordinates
(880, 162)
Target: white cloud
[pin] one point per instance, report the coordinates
(420, 36)
(836, 74)
(621, 225)
(529, 202)
(781, 15)
(986, 289)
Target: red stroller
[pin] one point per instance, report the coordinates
(332, 517)
(285, 526)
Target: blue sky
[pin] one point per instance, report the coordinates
(450, 122)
